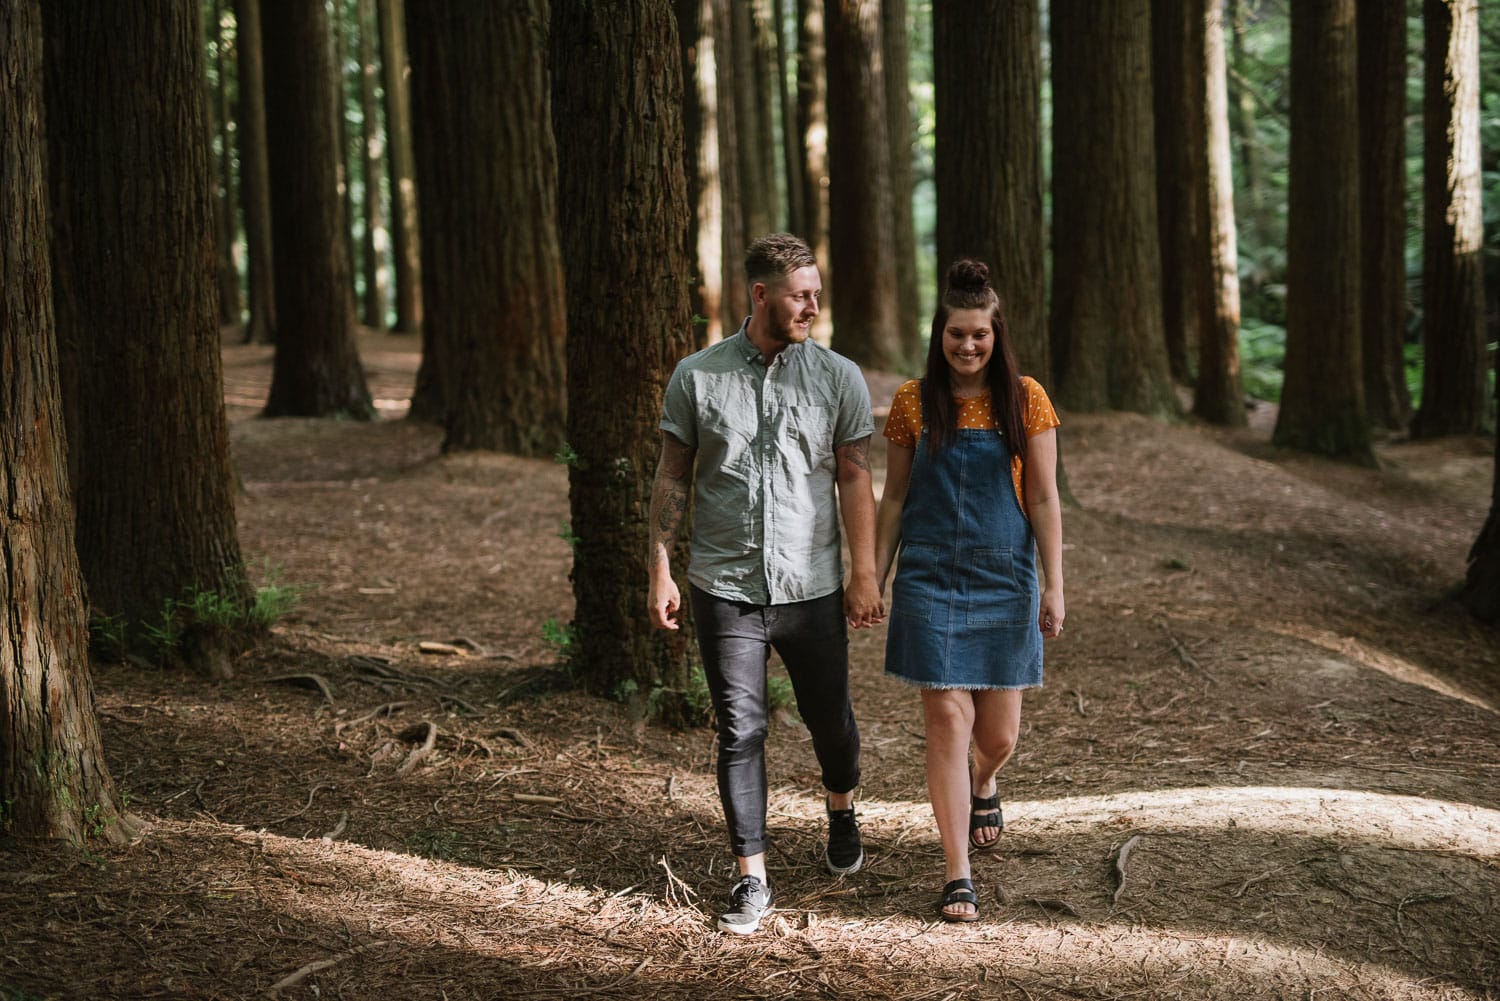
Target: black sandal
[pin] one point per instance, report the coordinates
(992, 817)
(959, 891)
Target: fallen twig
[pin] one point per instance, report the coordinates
(672, 881)
(1182, 654)
(306, 681)
(317, 787)
(297, 976)
(526, 797)
(1077, 694)
(1121, 858)
(384, 710)
(339, 827)
(420, 752)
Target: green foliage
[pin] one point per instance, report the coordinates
(1262, 349)
(108, 636)
(565, 533)
(16, 994)
(780, 693)
(563, 639)
(566, 456)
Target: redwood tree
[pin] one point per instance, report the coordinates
(861, 241)
(1109, 350)
(493, 279)
(1322, 398)
(372, 150)
(734, 299)
(317, 371)
(1481, 590)
(812, 132)
(987, 70)
(622, 201)
(1453, 370)
(900, 139)
(137, 314)
(405, 245)
(54, 782)
(255, 183)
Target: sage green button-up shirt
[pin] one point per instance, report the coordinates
(765, 514)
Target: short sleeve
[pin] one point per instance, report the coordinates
(903, 424)
(679, 417)
(854, 419)
(1039, 413)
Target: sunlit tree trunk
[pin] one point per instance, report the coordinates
(254, 173)
(701, 166)
(812, 126)
(734, 302)
(493, 275)
(405, 247)
(1382, 191)
(749, 103)
(1322, 398)
(1219, 397)
(987, 72)
(893, 31)
(861, 239)
(622, 213)
(372, 153)
(54, 781)
(1453, 369)
(1107, 341)
(317, 371)
(794, 154)
(768, 170)
(226, 212)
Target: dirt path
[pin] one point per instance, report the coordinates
(1262, 692)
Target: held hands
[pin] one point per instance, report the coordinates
(1050, 619)
(864, 606)
(663, 601)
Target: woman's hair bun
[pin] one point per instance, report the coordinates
(966, 275)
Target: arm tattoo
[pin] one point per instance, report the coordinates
(856, 454)
(669, 494)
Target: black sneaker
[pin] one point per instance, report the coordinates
(846, 851)
(748, 901)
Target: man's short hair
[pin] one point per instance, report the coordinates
(776, 256)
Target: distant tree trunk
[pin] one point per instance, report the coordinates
(755, 206)
(768, 170)
(340, 59)
(1220, 396)
(1481, 590)
(1179, 92)
(406, 254)
(812, 127)
(893, 30)
(1107, 341)
(372, 150)
(254, 173)
(137, 316)
(735, 299)
(54, 780)
(987, 69)
(317, 371)
(794, 153)
(1453, 370)
(1244, 123)
(1382, 190)
(860, 235)
(225, 210)
(493, 281)
(623, 223)
(701, 166)
(1322, 398)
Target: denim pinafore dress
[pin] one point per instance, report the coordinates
(965, 600)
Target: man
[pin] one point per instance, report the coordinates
(773, 423)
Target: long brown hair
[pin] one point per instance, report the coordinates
(968, 287)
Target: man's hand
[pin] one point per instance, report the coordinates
(863, 605)
(663, 600)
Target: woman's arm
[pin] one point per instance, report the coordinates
(1044, 508)
(898, 460)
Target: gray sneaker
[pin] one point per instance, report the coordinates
(846, 850)
(748, 901)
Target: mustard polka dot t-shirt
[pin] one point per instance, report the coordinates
(903, 425)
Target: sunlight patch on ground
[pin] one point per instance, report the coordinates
(1383, 661)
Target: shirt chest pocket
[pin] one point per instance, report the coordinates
(807, 437)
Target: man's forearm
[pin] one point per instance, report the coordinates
(669, 502)
(857, 504)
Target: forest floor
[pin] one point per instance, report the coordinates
(1265, 696)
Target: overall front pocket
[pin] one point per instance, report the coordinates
(996, 596)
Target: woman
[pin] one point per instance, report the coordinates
(970, 495)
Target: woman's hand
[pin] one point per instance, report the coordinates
(1050, 619)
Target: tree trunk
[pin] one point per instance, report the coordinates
(1220, 396)
(1453, 370)
(1481, 590)
(254, 173)
(735, 299)
(701, 166)
(902, 140)
(987, 77)
(226, 212)
(372, 153)
(54, 781)
(793, 152)
(622, 201)
(137, 319)
(1322, 398)
(1253, 184)
(493, 277)
(1108, 347)
(755, 206)
(860, 234)
(1382, 190)
(317, 371)
(812, 128)
(406, 257)
(763, 49)
(340, 60)
(1179, 94)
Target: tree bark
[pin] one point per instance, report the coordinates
(54, 781)
(226, 212)
(860, 234)
(622, 201)
(755, 206)
(1322, 397)
(734, 302)
(1481, 589)
(812, 127)
(317, 371)
(1220, 396)
(987, 71)
(1453, 370)
(255, 174)
(339, 61)
(406, 257)
(493, 277)
(1253, 184)
(793, 152)
(893, 30)
(372, 154)
(1108, 347)
(768, 170)
(1382, 190)
(701, 166)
